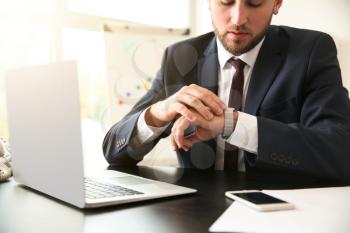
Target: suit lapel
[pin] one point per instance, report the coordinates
(208, 66)
(265, 69)
(207, 77)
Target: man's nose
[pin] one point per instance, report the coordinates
(239, 14)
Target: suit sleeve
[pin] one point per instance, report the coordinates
(116, 147)
(319, 144)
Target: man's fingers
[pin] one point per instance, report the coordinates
(189, 97)
(197, 104)
(184, 111)
(173, 143)
(190, 115)
(207, 97)
(187, 143)
(199, 121)
(193, 105)
(193, 139)
(180, 127)
(178, 132)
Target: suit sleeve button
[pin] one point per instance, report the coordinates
(273, 156)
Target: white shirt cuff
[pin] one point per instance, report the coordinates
(245, 135)
(145, 133)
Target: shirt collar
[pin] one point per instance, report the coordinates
(249, 57)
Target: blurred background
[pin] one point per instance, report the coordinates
(118, 46)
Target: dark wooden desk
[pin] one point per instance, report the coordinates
(23, 210)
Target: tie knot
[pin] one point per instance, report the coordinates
(237, 63)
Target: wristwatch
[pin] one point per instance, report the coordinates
(228, 123)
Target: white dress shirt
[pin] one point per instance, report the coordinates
(245, 135)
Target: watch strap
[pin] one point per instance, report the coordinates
(228, 123)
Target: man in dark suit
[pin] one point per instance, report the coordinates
(259, 97)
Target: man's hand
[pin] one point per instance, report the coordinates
(206, 130)
(185, 102)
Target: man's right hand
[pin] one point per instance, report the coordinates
(189, 97)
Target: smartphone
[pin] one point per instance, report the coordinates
(259, 200)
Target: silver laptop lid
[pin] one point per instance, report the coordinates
(45, 134)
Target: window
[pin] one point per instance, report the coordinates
(174, 14)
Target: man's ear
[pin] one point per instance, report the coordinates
(278, 4)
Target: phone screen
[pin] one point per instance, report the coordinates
(259, 198)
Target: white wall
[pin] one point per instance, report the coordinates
(331, 16)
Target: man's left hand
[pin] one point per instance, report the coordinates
(206, 130)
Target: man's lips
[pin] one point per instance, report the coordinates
(237, 34)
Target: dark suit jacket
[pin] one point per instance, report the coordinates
(295, 91)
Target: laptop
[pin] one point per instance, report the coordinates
(46, 142)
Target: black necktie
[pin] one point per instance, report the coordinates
(235, 101)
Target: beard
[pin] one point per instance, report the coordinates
(235, 47)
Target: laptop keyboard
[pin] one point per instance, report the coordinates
(95, 190)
